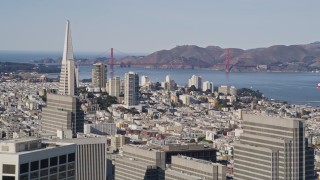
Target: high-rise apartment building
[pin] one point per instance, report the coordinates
(99, 75)
(207, 86)
(63, 110)
(273, 148)
(26, 159)
(131, 89)
(144, 80)
(114, 86)
(195, 81)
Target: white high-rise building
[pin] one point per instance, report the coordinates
(207, 85)
(168, 78)
(68, 77)
(195, 81)
(26, 159)
(114, 86)
(144, 80)
(131, 89)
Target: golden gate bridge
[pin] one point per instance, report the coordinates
(227, 64)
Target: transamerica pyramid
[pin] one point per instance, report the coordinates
(69, 74)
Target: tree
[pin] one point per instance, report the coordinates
(192, 88)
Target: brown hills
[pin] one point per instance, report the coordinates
(276, 58)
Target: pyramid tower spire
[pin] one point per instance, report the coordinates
(68, 76)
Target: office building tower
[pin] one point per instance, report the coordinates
(195, 81)
(63, 110)
(272, 148)
(90, 157)
(99, 75)
(207, 86)
(131, 89)
(184, 167)
(114, 86)
(68, 75)
(26, 159)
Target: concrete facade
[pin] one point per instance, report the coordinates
(26, 159)
(198, 168)
(131, 89)
(272, 148)
(99, 75)
(62, 112)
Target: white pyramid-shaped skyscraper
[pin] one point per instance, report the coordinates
(69, 73)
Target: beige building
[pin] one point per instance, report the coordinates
(182, 166)
(195, 81)
(117, 141)
(272, 148)
(99, 75)
(114, 86)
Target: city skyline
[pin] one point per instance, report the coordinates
(144, 26)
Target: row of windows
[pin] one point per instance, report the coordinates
(35, 175)
(44, 163)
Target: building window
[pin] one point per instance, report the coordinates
(62, 159)
(24, 168)
(44, 163)
(53, 161)
(34, 175)
(34, 165)
(53, 177)
(71, 157)
(53, 170)
(8, 169)
(24, 177)
(62, 168)
(44, 172)
(8, 178)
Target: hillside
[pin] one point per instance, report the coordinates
(276, 58)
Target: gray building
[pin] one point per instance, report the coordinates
(91, 157)
(139, 162)
(183, 166)
(99, 75)
(131, 89)
(62, 112)
(272, 148)
(26, 159)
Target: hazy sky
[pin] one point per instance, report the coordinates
(144, 26)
